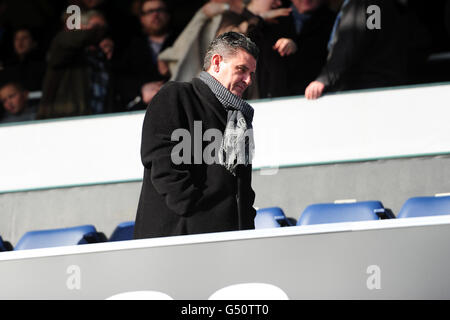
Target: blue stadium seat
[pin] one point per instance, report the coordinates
(60, 237)
(5, 245)
(272, 217)
(123, 231)
(341, 212)
(425, 206)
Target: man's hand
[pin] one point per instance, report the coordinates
(163, 68)
(237, 6)
(149, 90)
(107, 46)
(212, 9)
(285, 47)
(314, 90)
(271, 15)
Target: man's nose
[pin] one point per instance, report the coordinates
(248, 79)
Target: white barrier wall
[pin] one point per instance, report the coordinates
(353, 126)
(78, 151)
(288, 132)
(385, 259)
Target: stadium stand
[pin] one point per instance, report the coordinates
(341, 212)
(60, 237)
(124, 231)
(317, 158)
(425, 206)
(271, 217)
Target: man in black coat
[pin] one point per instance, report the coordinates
(367, 48)
(312, 22)
(202, 183)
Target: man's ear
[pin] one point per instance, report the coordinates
(215, 62)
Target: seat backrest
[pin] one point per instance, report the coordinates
(340, 212)
(140, 295)
(425, 206)
(250, 291)
(5, 245)
(271, 217)
(56, 237)
(123, 231)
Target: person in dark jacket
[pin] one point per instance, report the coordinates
(265, 29)
(140, 72)
(27, 64)
(312, 22)
(203, 183)
(78, 79)
(367, 48)
(16, 105)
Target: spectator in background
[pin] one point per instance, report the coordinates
(312, 22)
(27, 65)
(14, 99)
(185, 57)
(124, 22)
(361, 57)
(78, 79)
(41, 16)
(141, 74)
(92, 4)
(273, 37)
(4, 41)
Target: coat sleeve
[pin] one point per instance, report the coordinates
(348, 47)
(172, 181)
(68, 46)
(183, 53)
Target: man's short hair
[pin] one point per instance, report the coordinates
(227, 44)
(86, 16)
(17, 85)
(166, 3)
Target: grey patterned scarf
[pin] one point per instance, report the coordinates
(237, 145)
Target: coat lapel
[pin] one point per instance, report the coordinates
(208, 98)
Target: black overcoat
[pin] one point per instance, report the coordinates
(363, 56)
(189, 198)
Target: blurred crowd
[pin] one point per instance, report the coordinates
(123, 52)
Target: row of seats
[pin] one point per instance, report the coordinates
(68, 236)
(272, 217)
(354, 211)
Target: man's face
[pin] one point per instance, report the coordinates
(234, 72)
(306, 5)
(154, 17)
(13, 100)
(95, 22)
(23, 42)
(91, 4)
